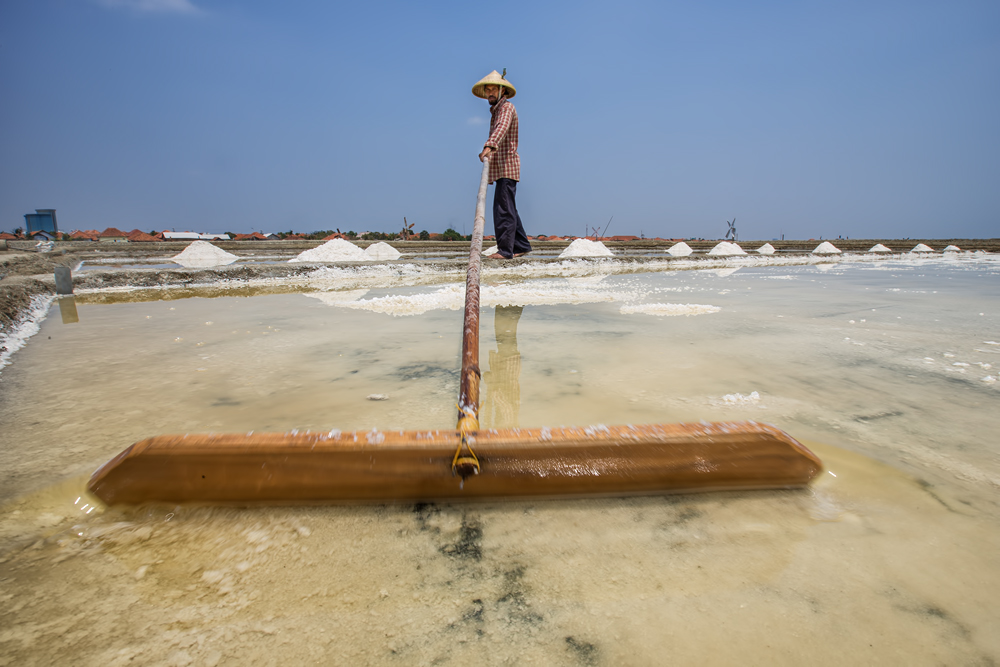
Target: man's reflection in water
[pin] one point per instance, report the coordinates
(503, 380)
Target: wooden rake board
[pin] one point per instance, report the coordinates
(408, 466)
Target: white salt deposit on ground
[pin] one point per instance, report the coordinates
(337, 250)
(826, 248)
(727, 248)
(766, 249)
(203, 253)
(586, 248)
(920, 247)
(953, 248)
(491, 250)
(382, 250)
(26, 328)
(679, 250)
(878, 247)
(669, 309)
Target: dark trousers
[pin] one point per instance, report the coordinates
(511, 238)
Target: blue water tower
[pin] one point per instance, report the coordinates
(42, 220)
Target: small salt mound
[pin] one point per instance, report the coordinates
(491, 251)
(668, 309)
(202, 254)
(727, 248)
(586, 248)
(680, 250)
(953, 248)
(382, 250)
(920, 247)
(878, 247)
(337, 250)
(766, 249)
(826, 248)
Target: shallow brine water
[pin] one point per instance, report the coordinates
(887, 370)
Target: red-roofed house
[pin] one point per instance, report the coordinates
(4, 236)
(85, 235)
(256, 236)
(113, 235)
(335, 235)
(139, 236)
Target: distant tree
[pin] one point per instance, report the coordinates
(66, 237)
(451, 235)
(425, 235)
(231, 235)
(352, 234)
(18, 231)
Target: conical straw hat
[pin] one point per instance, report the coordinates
(493, 79)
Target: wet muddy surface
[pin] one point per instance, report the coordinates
(882, 368)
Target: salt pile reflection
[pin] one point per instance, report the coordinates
(892, 556)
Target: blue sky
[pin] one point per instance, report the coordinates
(808, 119)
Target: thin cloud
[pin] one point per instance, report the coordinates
(153, 6)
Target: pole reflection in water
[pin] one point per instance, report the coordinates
(503, 380)
(67, 309)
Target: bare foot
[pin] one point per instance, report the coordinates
(497, 255)
(520, 254)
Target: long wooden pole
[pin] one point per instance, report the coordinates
(468, 393)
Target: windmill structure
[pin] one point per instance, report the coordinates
(731, 232)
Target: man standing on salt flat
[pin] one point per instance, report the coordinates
(505, 164)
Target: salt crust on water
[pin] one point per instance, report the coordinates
(766, 249)
(878, 247)
(826, 248)
(337, 250)
(586, 248)
(680, 250)
(667, 309)
(920, 247)
(203, 253)
(740, 399)
(382, 250)
(727, 248)
(452, 297)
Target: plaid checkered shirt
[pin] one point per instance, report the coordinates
(504, 161)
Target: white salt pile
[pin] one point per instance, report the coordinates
(337, 250)
(826, 248)
(382, 250)
(766, 249)
(953, 248)
(727, 248)
(878, 247)
(680, 250)
(586, 248)
(491, 250)
(920, 247)
(668, 309)
(202, 254)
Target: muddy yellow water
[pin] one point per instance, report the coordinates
(888, 372)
